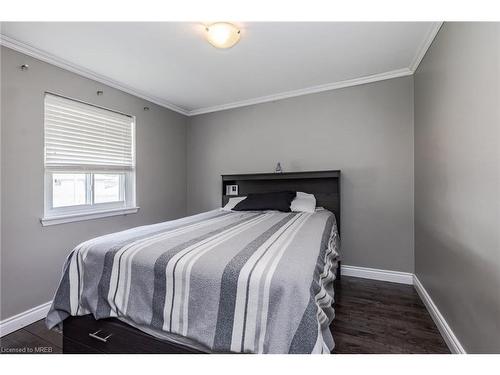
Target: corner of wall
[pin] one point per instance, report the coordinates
(187, 123)
(412, 120)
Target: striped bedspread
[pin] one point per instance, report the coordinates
(251, 282)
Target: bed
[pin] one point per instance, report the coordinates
(216, 282)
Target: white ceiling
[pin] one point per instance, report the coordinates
(173, 65)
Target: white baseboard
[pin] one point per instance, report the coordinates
(408, 278)
(23, 319)
(377, 274)
(449, 337)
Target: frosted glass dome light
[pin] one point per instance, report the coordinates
(222, 34)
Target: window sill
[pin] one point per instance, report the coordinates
(54, 220)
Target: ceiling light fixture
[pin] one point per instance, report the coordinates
(222, 34)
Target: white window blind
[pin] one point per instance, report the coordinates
(84, 137)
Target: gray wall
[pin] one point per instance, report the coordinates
(32, 255)
(457, 180)
(366, 131)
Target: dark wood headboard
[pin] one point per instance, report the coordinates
(325, 185)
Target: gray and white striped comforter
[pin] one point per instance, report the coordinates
(253, 282)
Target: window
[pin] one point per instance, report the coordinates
(89, 161)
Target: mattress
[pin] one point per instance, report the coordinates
(245, 282)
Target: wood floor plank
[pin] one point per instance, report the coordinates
(24, 342)
(381, 317)
(370, 317)
(40, 329)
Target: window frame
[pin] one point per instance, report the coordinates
(90, 210)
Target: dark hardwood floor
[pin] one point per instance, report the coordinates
(32, 339)
(380, 317)
(371, 317)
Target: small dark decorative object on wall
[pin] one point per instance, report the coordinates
(100, 92)
(278, 168)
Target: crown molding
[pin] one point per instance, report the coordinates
(308, 90)
(54, 60)
(74, 68)
(426, 43)
(425, 46)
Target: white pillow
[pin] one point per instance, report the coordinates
(232, 203)
(303, 202)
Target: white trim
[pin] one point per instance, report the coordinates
(64, 64)
(308, 90)
(23, 319)
(408, 278)
(46, 221)
(127, 201)
(449, 337)
(425, 46)
(30, 316)
(377, 274)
